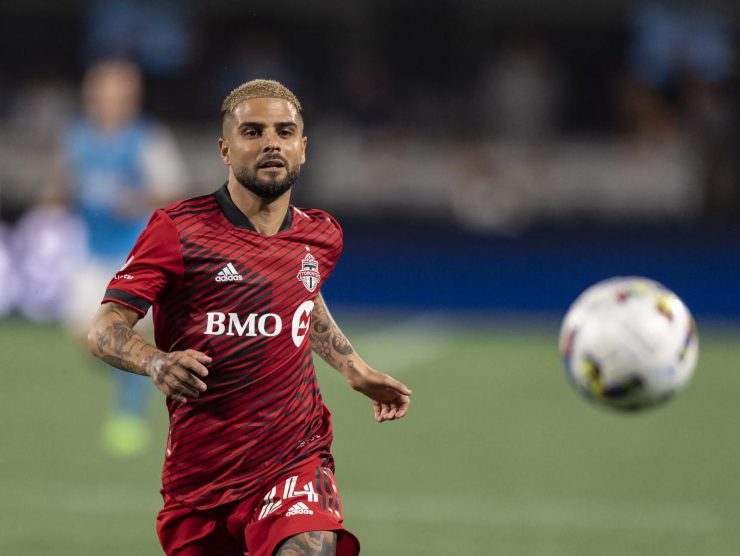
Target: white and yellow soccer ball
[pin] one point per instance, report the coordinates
(629, 343)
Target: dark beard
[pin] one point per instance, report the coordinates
(266, 189)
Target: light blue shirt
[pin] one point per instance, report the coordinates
(104, 168)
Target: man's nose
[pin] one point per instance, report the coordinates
(270, 142)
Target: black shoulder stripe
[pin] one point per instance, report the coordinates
(128, 299)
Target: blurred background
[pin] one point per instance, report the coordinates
(488, 161)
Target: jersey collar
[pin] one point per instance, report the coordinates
(237, 217)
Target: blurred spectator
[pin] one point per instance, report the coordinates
(114, 168)
(44, 238)
(9, 278)
(648, 115)
(521, 92)
(497, 188)
(715, 125)
(682, 58)
(678, 38)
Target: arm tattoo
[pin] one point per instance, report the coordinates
(320, 327)
(321, 346)
(311, 543)
(121, 335)
(326, 339)
(116, 362)
(341, 344)
(118, 345)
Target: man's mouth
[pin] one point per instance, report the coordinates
(271, 163)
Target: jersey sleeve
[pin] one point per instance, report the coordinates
(154, 264)
(337, 234)
(328, 235)
(332, 231)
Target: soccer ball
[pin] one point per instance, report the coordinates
(629, 343)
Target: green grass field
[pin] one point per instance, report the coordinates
(498, 456)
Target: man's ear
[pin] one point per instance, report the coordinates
(223, 148)
(304, 140)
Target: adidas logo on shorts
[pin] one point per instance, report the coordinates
(298, 509)
(228, 274)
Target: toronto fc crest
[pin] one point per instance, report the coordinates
(309, 273)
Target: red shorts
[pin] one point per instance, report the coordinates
(305, 499)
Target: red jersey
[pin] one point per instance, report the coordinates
(218, 286)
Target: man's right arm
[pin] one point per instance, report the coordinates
(112, 338)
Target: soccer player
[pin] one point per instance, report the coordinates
(114, 167)
(234, 279)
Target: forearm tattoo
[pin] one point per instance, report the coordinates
(118, 345)
(326, 338)
(311, 543)
(341, 344)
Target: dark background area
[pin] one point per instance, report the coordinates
(427, 84)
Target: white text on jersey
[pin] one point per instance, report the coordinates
(228, 274)
(268, 324)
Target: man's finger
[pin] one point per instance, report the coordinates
(376, 410)
(404, 407)
(188, 390)
(386, 411)
(192, 364)
(199, 355)
(184, 375)
(178, 386)
(170, 390)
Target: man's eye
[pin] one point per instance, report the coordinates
(286, 132)
(250, 133)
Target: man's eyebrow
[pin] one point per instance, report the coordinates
(262, 125)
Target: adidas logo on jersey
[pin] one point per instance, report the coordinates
(228, 274)
(298, 509)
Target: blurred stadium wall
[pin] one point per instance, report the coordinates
(482, 156)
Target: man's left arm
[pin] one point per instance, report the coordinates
(391, 399)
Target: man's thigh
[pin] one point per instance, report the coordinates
(311, 543)
(184, 532)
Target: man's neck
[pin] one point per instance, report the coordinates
(266, 215)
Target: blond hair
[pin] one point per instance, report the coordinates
(257, 88)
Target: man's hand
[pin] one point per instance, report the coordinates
(112, 338)
(176, 373)
(391, 399)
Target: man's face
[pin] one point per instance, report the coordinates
(263, 143)
(112, 93)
